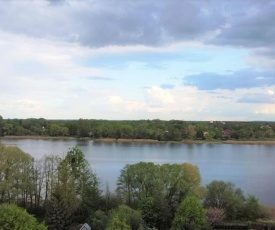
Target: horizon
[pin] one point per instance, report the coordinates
(64, 119)
(138, 60)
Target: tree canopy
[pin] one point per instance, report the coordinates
(224, 196)
(14, 217)
(173, 130)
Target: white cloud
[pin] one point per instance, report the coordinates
(266, 110)
(160, 96)
(270, 92)
(49, 50)
(185, 103)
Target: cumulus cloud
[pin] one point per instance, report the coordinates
(159, 96)
(60, 53)
(189, 103)
(122, 105)
(151, 23)
(104, 23)
(249, 25)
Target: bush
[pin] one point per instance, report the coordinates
(13, 217)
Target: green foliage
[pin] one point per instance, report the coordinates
(137, 181)
(116, 223)
(252, 210)
(149, 213)
(124, 217)
(223, 195)
(56, 130)
(58, 213)
(190, 215)
(13, 217)
(99, 220)
(173, 130)
(83, 128)
(1, 126)
(15, 183)
(157, 189)
(75, 194)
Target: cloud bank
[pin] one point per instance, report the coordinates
(178, 59)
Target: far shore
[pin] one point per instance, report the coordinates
(124, 140)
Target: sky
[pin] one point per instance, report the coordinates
(138, 59)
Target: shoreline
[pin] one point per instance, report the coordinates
(123, 140)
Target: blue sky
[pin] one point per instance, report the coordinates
(179, 59)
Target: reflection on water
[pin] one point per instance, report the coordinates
(250, 167)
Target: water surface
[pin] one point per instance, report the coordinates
(250, 167)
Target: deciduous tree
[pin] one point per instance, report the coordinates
(224, 195)
(13, 217)
(190, 215)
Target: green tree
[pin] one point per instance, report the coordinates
(116, 223)
(99, 220)
(191, 175)
(49, 172)
(157, 189)
(149, 213)
(126, 131)
(15, 167)
(56, 130)
(190, 131)
(58, 213)
(76, 188)
(64, 201)
(190, 215)
(137, 181)
(252, 210)
(123, 217)
(224, 195)
(83, 128)
(13, 217)
(1, 126)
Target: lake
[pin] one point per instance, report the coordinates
(250, 167)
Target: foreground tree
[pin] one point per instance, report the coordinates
(13, 217)
(223, 195)
(190, 215)
(157, 189)
(15, 183)
(215, 215)
(149, 213)
(138, 181)
(252, 210)
(76, 193)
(124, 217)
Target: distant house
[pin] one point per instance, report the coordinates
(226, 134)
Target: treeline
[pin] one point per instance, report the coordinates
(64, 193)
(173, 130)
(60, 191)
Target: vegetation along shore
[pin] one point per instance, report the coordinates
(144, 131)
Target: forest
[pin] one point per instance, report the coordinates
(64, 193)
(160, 130)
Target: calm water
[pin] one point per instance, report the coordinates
(250, 167)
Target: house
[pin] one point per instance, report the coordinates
(226, 134)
